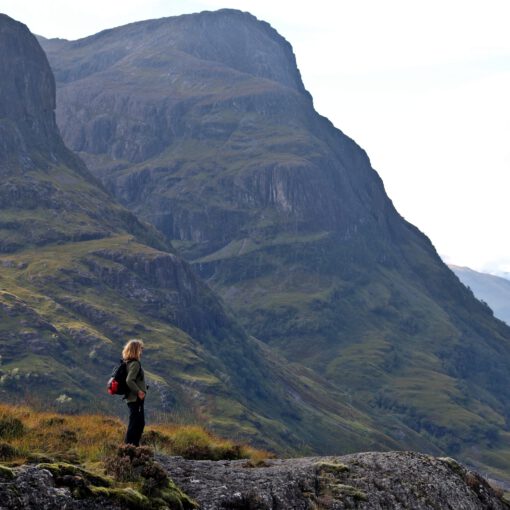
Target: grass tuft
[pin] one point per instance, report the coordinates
(10, 427)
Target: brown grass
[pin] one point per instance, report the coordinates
(88, 439)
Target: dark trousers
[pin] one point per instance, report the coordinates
(136, 422)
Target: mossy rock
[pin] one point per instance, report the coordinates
(6, 472)
(133, 499)
(453, 465)
(84, 484)
(170, 498)
(61, 469)
(348, 490)
(332, 467)
(38, 458)
(158, 487)
(176, 498)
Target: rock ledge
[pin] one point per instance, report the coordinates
(391, 480)
(379, 481)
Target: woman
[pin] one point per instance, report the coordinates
(137, 389)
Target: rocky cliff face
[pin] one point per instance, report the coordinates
(211, 91)
(46, 194)
(136, 129)
(28, 117)
(28, 487)
(363, 481)
(202, 126)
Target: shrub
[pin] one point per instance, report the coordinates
(156, 439)
(10, 427)
(132, 463)
(228, 452)
(8, 452)
(127, 463)
(51, 422)
(192, 443)
(154, 478)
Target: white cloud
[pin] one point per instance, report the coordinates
(75, 19)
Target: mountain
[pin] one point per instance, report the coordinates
(201, 125)
(80, 274)
(494, 290)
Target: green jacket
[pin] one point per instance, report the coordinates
(135, 380)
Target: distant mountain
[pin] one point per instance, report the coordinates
(504, 274)
(201, 125)
(494, 290)
(80, 274)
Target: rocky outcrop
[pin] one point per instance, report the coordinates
(29, 487)
(27, 109)
(143, 127)
(365, 481)
(382, 481)
(162, 284)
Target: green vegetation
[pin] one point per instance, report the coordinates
(334, 468)
(82, 452)
(6, 472)
(76, 303)
(343, 490)
(89, 439)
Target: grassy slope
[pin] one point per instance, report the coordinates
(63, 326)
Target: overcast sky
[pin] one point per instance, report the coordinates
(423, 87)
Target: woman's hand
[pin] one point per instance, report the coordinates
(141, 395)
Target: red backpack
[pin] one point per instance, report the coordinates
(117, 382)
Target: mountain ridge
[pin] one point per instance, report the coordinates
(237, 64)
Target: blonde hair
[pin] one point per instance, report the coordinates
(132, 349)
